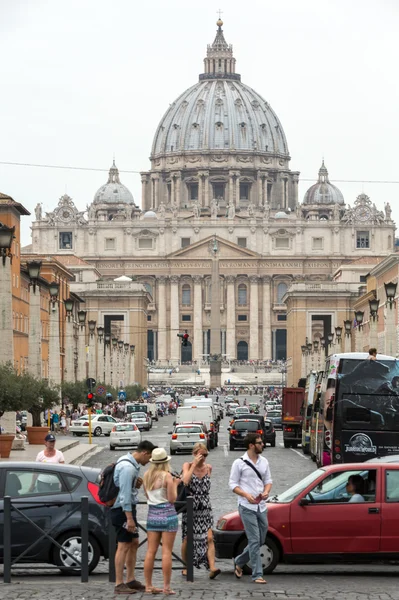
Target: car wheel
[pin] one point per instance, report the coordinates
(269, 553)
(273, 443)
(97, 431)
(212, 444)
(172, 452)
(73, 544)
(112, 447)
(287, 444)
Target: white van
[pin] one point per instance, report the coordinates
(198, 413)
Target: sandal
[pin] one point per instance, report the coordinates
(214, 574)
(237, 571)
(260, 581)
(169, 592)
(154, 590)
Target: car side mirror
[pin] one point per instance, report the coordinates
(304, 502)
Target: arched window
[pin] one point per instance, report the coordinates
(186, 295)
(242, 295)
(242, 350)
(281, 290)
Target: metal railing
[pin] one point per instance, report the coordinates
(11, 505)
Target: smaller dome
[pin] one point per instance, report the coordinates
(113, 192)
(149, 215)
(323, 192)
(281, 215)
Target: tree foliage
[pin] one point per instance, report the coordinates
(74, 392)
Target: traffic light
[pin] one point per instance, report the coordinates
(184, 338)
(90, 400)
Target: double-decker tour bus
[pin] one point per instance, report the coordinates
(359, 408)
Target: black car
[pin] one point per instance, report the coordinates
(240, 428)
(31, 485)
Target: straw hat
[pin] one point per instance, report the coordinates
(159, 456)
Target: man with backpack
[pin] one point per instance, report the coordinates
(251, 480)
(124, 518)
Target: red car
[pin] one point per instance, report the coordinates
(321, 520)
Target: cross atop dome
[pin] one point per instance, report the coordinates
(219, 62)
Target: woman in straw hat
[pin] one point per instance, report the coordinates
(162, 522)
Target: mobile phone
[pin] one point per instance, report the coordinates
(175, 475)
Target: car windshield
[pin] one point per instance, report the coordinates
(138, 416)
(188, 430)
(274, 413)
(125, 427)
(242, 409)
(296, 489)
(246, 425)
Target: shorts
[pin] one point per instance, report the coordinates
(118, 519)
(162, 517)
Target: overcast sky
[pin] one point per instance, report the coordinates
(82, 80)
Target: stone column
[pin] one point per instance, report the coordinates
(156, 192)
(230, 318)
(131, 367)
(161, 307)
(215, 364)
(390, 329)
(144, 192)
(178, 190)
(172, 190)
(69, 350)
(92, 356)
(373, 336)
(206, 184)
(237, 198)
(359, 338)
(81, 375)
(126, 376)
(174, 320)
(197, 347)
(200, 189)
(231, 187)
(266, 311)
(35, 333)
(100, 375)
(348, 343)
(107, 360)
(254, 318)
(7, 421)
(54, 372)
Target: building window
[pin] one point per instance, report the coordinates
(110, 244)
(65, 240)
(281, 290)
(186, 295)
(363, 279)
(185, 242)
(363, 239)
(149, 318)
(145, 243)
(282, 243)
(242, 350)
(244, 191)
(242, 295)
(242, 318)
(193, 191)
(242, 242)
(218, 191)
(186, 317)
(317, 243)
(281, 317)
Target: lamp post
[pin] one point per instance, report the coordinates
(100, 375)
(6, 322)
(114, 358)
(359, 316)
(54, 367)
(69, 374)
(330, 340)
(316, 350)
(348, 335)
(338, 337)
(120, 363)
(215, 362)
(126, 364)
(35, 326)
(303, 367)
(107, 358)
(92, 363)
(131, 364)
(374, 304)
(82, 358)
(390, 328)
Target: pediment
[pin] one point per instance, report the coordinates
(201, 249)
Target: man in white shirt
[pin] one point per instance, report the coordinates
(251, 480)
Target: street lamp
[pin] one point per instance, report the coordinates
(6, 238)
(390, 290)
(338, 333)
(34, 271)
(309, 346)
(82, 318)
(330, 338)
(359, 316)
(92, 327)
(114, 341)
(348, 327)
(120, 344)
(69, 304)
(54, 291)
(107, 338)
(100, 332)
(316, 345)
(304, 349)
(374, 305)
(132, 348)
(126, 347)
(323, 342)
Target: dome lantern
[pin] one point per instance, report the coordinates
(219, 62)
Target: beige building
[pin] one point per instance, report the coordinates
(220, 166)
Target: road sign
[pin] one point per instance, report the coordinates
(101, 390)
(122, 395)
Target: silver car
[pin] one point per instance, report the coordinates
(185, 436)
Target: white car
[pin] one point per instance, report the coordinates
(124, 434)
(141, 420)
(241, 410)
(100, 424)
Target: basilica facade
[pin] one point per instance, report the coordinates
(220, 167)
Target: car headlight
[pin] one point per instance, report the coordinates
(221, 524)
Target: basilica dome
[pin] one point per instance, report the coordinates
(323, 192)
(113, 192)
(220, 112)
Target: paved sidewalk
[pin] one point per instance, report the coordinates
(318, 583)
(74, 452)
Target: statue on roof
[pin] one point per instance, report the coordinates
(196, 210)
(388, 211)
(38, 211)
